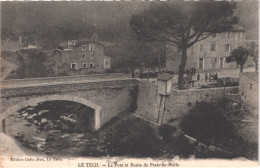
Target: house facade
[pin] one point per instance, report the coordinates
(248, 90)
(209, 53)
(81, 56)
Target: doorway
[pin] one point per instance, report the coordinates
(201, 63)
(221, 63)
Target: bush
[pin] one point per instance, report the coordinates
(166, 131)
(207, 123)
(133, 138)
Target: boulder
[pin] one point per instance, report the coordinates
(65, 136)
(54, 131)
(44, 120)
(31, 116)
(24, 111)
(39, 139)
(30, 108)
(68, 119)
(25, 114)
(80, 135)
(43, 111)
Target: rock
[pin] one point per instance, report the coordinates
(54, 131)
(43, 111)
(32, 145)
(30, 117)
(23, 111)
(80, 136)
(65, 136)
(30, 108)
(25, 114)
(44, 120)
(28, 125)
(212, 148)
(35, 122)
(68, 119)
(40, 145)
(76, 140)
(39, 139)
(70, 115)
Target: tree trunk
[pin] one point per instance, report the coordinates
(256, 66)
(160, 64)
(241, 68)
(182, 68)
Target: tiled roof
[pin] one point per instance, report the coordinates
(165, 77)
(251, 75)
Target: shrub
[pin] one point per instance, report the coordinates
(133, 138)
(166, 131)
(207, 123)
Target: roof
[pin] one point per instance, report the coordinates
(237, 28)
(79, 42)
(251, 75)
(164, 77)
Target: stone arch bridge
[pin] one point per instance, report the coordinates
(107, 97)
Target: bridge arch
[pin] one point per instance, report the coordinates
(35, 101)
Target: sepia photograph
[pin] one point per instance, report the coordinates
(129, 84)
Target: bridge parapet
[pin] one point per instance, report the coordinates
(34, 81)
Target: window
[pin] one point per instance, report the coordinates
(213, 47)
(91, 47)
(84, 48)
(91, 55)
(228, 34)
(201, 47)
(84, 65)
(214, 35)
(106, 62)
(91, 65)
(214, 62)
(250, 86)
(73, 66)
(227, 48)
(83, 55)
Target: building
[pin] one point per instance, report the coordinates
(248, 90)
(80, 57)
(208, 53)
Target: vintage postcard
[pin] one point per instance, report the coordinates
(125, 84)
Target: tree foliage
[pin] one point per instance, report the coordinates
(182, 24)
(239, 55)
(31, 65)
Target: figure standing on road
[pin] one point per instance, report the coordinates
(198, 77)
(187, 72)
(194, 71)
(206, 77)
(133, 73)
(216, 77)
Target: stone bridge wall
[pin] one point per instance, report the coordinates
(113, 96)
(63, 79)
(153, 107)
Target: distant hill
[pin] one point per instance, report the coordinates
(53, 22)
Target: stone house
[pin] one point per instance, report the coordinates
(81, 56)
(209, 53)
(248, 90)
